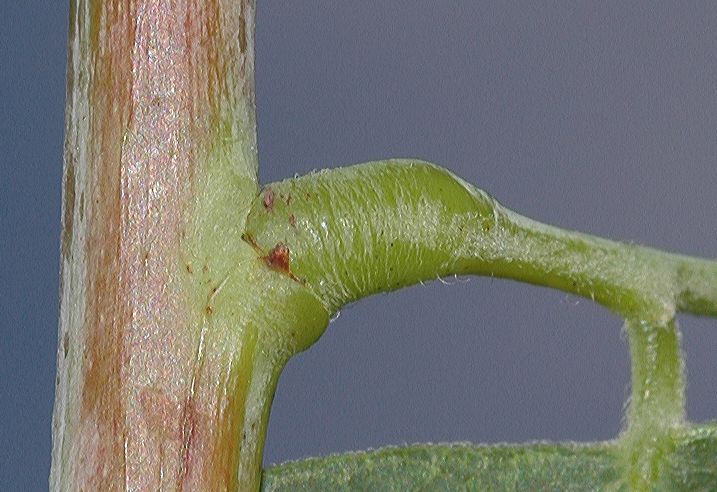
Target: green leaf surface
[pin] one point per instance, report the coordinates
(598, 466)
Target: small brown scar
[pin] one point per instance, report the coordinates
(209, 309)
(288, 199)
(190, 270)
(292, 220)
(277, 259)
(268, 200)
(66, 343)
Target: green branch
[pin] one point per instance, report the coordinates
(380, 226)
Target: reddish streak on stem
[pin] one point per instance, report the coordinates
(277, 259)
(268, 200)
(152, 82)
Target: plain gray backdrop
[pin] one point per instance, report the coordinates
(598, 116)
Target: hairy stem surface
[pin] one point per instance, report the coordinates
(171, 334)
(376, 227)
(383, 225)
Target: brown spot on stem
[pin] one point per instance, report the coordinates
(292, 220)
(278, 257)
(66, 343)
(268, 200)
(69, 205)
(82, 206)
(242, 33)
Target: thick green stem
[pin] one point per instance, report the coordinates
(657, 402)
(384, 225)
(658, 385)
(380, 226)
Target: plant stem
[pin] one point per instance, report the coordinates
(657, 375)
(380, 226)
(383, 225)
(657, 403)
(172, 333)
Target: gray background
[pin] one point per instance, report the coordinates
(594, 117)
